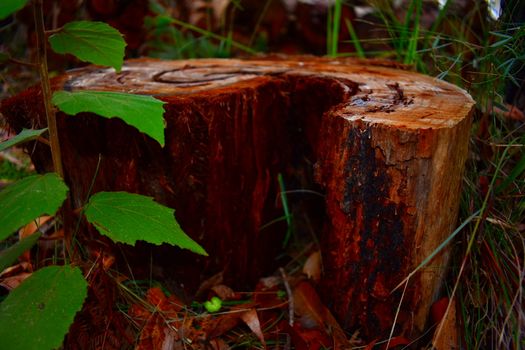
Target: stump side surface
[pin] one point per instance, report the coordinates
(386, 147)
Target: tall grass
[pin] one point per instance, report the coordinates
(484, 57)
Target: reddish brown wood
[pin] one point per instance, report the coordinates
(387, 147)
(393, 188)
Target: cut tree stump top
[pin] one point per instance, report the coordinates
(384, 94)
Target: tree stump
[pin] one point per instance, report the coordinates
(385, 146)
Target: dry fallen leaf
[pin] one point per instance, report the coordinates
(16, 270)
(269, 282)
(312, 266)
(219, 8)
(209, 284)
(314, 314)
(170, 305)
(252, 321)
(28, 230)
(224, 292)
(107, 259)
(170, 339)
(156, 332)
(397, 341)
(12, 282)
(33, 226)
(215, 326)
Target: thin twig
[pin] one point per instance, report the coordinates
(43, 140)
(53, 31)
(290, 296)
(22, 63)
(397, 314)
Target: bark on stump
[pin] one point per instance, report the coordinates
(386, 146)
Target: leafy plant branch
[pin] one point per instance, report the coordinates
(58, 292)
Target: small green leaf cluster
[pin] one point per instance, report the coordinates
(45, 304)
(213, 305)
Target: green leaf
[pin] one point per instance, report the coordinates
(94, 42)
(24, 136)
(127, 217)
(213, 305)
(9, 255)
(29, 198)
(38, 313)
(9, 7)
(142, 112)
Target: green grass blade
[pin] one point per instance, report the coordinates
(405, 29)
(24, 136)
(286, 208)
(336, 25)
(271, 222)
(414, 37)
(212, 35)
(355, 39)
(329, 33)
(392, 26)
(439, 248)
(437, 22)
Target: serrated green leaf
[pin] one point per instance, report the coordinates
(94, 42)
(127, 217)
(9, 7)
(9, 255)
(29, 198)
(24, 136)
(38, 313)
(142, 112)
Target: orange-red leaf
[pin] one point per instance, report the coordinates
(252, 321)
(314, 313)
(397, 341)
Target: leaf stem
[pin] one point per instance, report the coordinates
(53, 31)
(46, 87)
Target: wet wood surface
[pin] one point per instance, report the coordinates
(385, 147)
